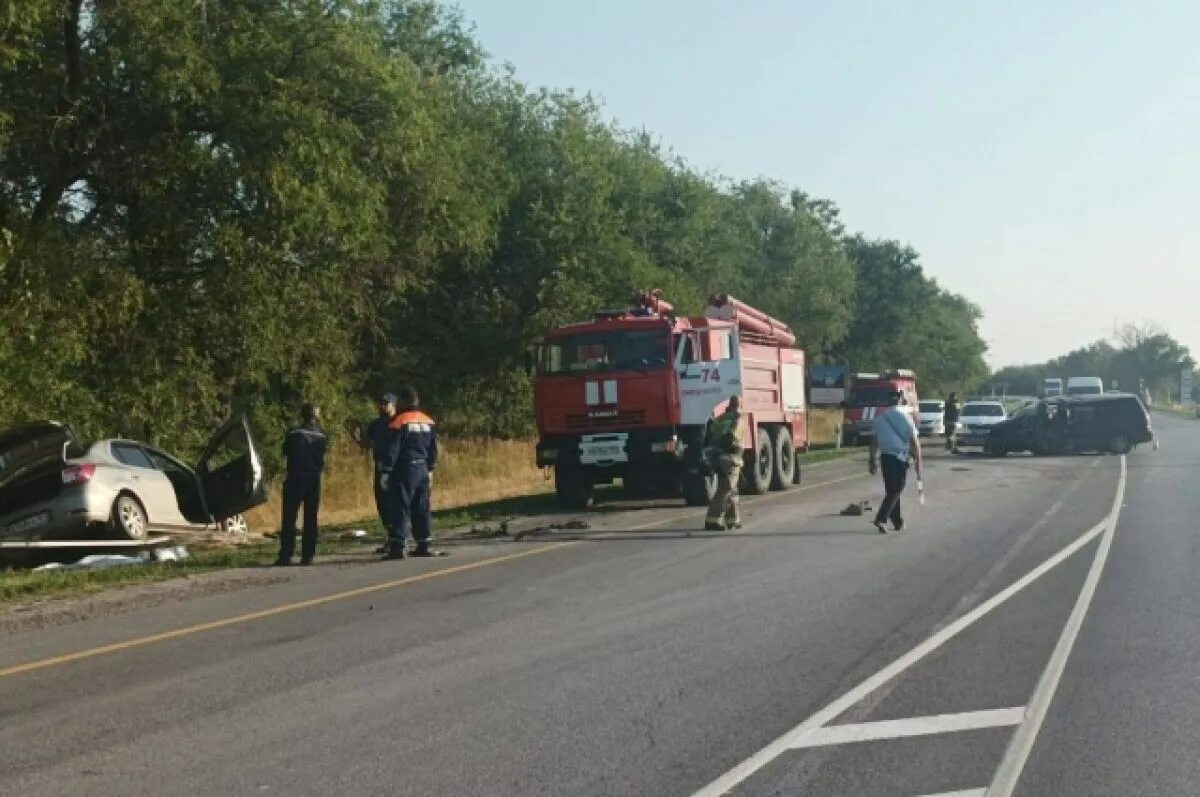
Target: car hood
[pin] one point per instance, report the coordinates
(24, 448)
(981, 420)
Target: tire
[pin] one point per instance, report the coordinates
(129, 518)
(573, 488)
(996, 449)
(1119, 444)
(797, 476)
(784, 473)
(235, 526)
(759, 467)
(849, 440)
(698, 489)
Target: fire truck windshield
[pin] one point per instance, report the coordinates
(618, 350)
(870, 396)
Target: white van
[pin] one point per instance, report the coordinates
(1052, 387)
(1085, 386)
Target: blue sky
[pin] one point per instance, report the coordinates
(1044, 157)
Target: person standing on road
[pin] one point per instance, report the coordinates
(304, 448)
(895, 441)
(723, 448)
(407, 477)
(950, 418)
(378, 437)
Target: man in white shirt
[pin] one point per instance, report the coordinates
(896, 442)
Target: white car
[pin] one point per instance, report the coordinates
(931, 417)
(977, 419)
(52, 487)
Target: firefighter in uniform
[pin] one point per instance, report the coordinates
(723, 449)
(378, 438)
(407, 476)
(304, 448)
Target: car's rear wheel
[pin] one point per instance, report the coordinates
(129, 518)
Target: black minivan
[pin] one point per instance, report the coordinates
(1111, 422)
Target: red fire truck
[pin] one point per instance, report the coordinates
(870, 393)
(630, 394)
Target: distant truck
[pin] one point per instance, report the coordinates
(1051, 388)
(870, 393)
(630, 394)
(1085, 386)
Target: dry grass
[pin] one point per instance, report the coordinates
(470, 472)
(822, 425)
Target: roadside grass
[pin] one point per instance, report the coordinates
(479, 482)
(22, 586)
(472, 472)
(825, 454)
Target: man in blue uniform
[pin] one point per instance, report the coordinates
(378, 438)
(304, 448)
(408, 475)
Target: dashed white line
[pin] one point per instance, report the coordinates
(1019, 747)
(911, 726)
(730, 780)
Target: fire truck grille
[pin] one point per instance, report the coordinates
(605, 420)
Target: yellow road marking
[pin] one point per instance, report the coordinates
(285, 609)
(240, 619)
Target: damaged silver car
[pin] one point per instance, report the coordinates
(54, 487)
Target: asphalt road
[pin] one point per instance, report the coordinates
(1032, 631)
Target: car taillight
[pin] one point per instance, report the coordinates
(78, 474)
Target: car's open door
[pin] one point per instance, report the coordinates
(231, 472)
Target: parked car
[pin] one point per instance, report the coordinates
(1112, 422)
(931, 417)
(52, 487)
(977, 419)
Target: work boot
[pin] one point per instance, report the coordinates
(714, 525)
(306, 561)
(281, 562)
(395, 552)
(423, 550)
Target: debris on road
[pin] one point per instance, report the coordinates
(354, 534)
(100, 561)
(857, 509)
(570, 525)
(97, 562)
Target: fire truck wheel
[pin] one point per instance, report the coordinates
(783, 475)
(760, 466)
(573, 487)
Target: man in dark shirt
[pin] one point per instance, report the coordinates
(950, 421)
(378, 438)
(304, 448)
(408, 476)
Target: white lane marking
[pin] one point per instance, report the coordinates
(911, 726)
(744, 770)
(1019, 747)
(963, 793)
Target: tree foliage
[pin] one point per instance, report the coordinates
(904, 319)
(1138, 355)
(208, 207)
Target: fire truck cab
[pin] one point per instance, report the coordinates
(870, 393)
